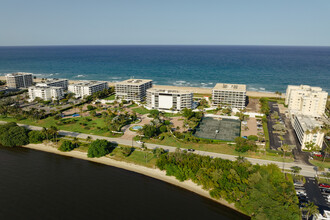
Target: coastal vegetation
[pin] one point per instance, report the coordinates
(99, 148)
(262, 192)
(12, 135)
(67, 146)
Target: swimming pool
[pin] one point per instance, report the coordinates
(137, 127)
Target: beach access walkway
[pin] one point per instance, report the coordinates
(307, 170)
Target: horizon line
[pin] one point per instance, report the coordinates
(253, 45)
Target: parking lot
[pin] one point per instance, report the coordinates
(312, 192)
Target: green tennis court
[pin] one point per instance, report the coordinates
(218, 128)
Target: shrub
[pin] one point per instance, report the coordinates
(99, 148)
(66, 146)
(36, 137)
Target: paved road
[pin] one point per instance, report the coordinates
(306, 169)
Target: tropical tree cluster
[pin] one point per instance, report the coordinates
(99, 148)
(244, 145)
(12, 135)
(262, 192)
(10, 107)
(67, 146)
(115, 121)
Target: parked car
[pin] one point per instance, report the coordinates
(325, 190)
(324, 185)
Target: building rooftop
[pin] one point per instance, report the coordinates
(18, 74)
(308, 122)
(134, 82)
(230, 87)
(53, 80)
(87, 83)
(44, 87)
(169, 91)
(306, 88)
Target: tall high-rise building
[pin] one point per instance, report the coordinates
(46, 93)
(133, 89)
(19, 80)
(55, 82)
(232, 95)
(87, 88)
(169, 99)
(306, 100)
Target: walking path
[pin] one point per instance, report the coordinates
(306, 169)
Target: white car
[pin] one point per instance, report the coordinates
(139, 142)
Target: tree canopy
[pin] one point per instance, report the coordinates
(99, 148)
(12, 135)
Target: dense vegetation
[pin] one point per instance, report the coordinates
(67, 146)
(12, 135)
(99, 148)
(262, 192)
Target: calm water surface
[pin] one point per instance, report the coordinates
(39, 185)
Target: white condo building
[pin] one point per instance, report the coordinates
(306, 100)
(55, 82)
(46, 93)
(19, 80)
(308, 130)
(169, 99)
(133, 89)
(232, 95)
(83, 89)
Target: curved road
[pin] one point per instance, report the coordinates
(307, 170)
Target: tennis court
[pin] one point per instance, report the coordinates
(218, 128)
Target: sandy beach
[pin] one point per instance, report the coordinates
(151, 172)
(192, 89)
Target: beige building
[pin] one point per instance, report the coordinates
(306, 100)
(87, 88)
(161, 99)
(55, 82)
(19, 80)
(232, 95)
(133, 89)
(308, 130)
(46, 93)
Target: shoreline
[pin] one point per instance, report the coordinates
(199, 90)
(150, 172)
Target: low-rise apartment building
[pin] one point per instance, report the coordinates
(87, 88)
(175, 100)
(55, 82)
(46, 93)
(19, 80)
(308, 130)
(133, 89)
(232, 95)
(306, 100)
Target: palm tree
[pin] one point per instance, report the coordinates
(311, 209)
(89, 139)
(45, 131)
(75, 141)
(295, 170)
(286, 148)
(326, 151)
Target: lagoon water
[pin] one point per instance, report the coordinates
(40, 185)
(262, 68)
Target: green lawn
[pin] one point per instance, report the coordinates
(87, 127)
(222, 148)
(172, 114)
(141, 110)
(320, 164)
(136, 157)
(112, 97)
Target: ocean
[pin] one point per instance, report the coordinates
(262, 68)
(40, 185)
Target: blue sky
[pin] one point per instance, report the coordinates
(162, 22)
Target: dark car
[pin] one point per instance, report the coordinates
(191, 150)
(325, 190)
